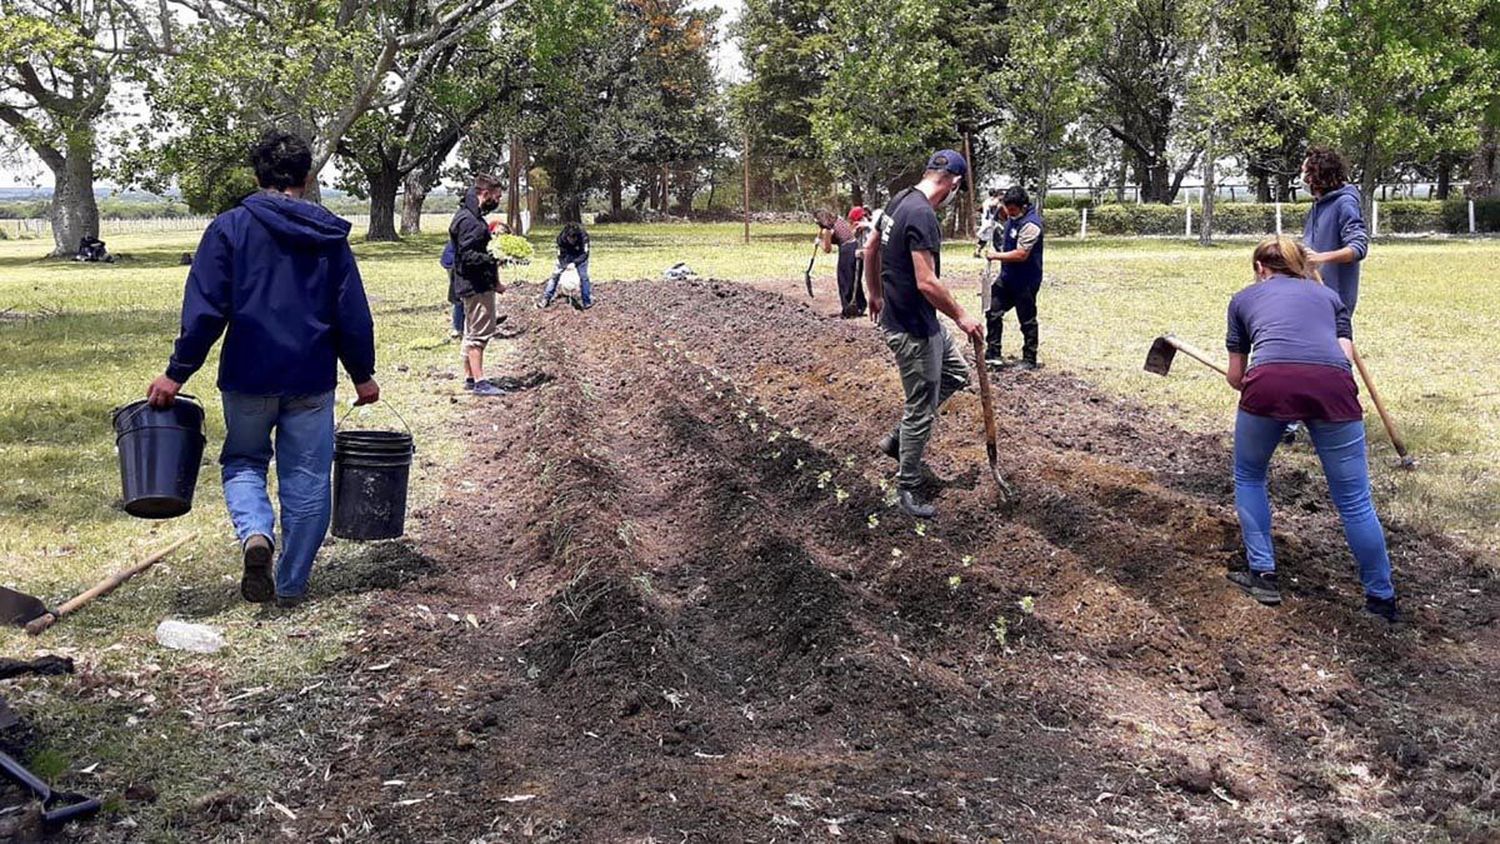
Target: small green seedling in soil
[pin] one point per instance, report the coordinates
(873, 521)
(896, 553)
(823, 478)
(1000, 629)
(1027, 604)
(775, 435)
(967, 561)
(920, 529)
(954, 581)
(840, 495)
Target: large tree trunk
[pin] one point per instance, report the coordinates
(412, 200)
(74, 213)
(1484, 170)
(1444, 176)
(616, 193)
(384, 184)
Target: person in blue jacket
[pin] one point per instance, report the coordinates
(276, 277)
(446, 262)
(1334, 232)
(1020, 242)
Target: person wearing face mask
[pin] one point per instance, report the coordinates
(1021, 244)
(474, 279)
(1290, 343)
(902, 269)
(1334, 231)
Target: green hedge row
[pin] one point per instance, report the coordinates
(1403, 216)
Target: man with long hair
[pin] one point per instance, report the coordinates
(1334, 232)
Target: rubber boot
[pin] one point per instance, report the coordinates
(1031, 334)
(994, 329)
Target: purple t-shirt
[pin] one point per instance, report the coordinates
(1291, 327)
(1288, 320)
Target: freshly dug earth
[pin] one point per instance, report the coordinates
(671, 601)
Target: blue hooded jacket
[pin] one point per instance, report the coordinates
(1335, 221)
(278, 274)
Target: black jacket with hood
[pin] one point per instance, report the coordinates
(475, 270)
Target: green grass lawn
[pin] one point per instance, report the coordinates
(77, 340)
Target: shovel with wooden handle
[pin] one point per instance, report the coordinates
(41, 623)
(1165, 348)
(1407, 461)
(987, 402)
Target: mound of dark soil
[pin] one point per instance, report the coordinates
(688, 612)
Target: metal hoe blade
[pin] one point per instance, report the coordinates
(1159, 358)
(18, 608)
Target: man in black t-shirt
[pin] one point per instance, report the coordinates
(901, 274)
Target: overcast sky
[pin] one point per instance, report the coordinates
(29, 172)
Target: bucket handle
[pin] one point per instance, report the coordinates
(114, 412)
(387, 404)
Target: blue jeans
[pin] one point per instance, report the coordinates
(584, 290)
(303, 427)
(1341, 448)
(458, 317)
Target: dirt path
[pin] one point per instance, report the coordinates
(673, 603)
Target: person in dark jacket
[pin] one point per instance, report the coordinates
(1289, 344)
(475, 278)
(1334, 232)
(836, 232)
(1021, 241)
(275, 276)
(572, 249)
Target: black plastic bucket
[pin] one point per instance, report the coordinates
(160, 452)
(371, 470)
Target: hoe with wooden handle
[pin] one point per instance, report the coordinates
(1407, 461)
(39, 625)
(1165, 348)
(988, 403)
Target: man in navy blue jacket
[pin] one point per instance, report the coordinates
(276, 277)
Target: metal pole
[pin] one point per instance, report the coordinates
(1471, 216)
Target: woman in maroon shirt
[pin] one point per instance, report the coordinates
(1289, 348)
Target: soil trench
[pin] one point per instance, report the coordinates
(672, 602)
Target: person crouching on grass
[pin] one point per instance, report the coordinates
(572, 250)
(278, 274)
(1294, 333)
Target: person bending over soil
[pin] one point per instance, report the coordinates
(902, 266)
(572, 250)
(1295, 335)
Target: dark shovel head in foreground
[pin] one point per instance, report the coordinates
(18, 608)
(1159, 357)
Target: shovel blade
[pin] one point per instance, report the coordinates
(18, 608)
(1159, 358)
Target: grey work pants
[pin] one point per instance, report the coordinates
(931, 371)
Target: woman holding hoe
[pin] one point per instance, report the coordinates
(1289, 349)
